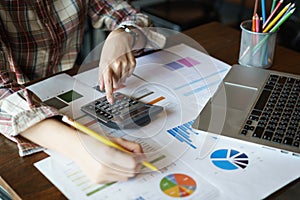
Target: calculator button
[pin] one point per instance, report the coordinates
(134, 102)
(117, 113)
(114, 111)
(109, 109)
(105, 107)
(99, 112)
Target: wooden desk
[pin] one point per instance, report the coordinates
(220, 41)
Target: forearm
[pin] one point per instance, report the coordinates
(54, 135)
(99, 162)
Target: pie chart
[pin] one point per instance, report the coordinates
(178, 185)
(229, 159)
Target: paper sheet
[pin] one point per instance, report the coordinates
(176, 181)
(253, 171)
(181, 79)
(65, 93)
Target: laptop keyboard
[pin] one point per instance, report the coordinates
(276, 114)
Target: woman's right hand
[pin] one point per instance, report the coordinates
(103, 164)
(98, 161)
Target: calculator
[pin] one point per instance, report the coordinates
(125, 112)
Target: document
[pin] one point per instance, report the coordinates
(253, 171)
(175, 181)
(195, 165)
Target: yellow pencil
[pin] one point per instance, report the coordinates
(276, 18)
(102, 139)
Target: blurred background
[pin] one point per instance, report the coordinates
(183, 14)
(180, 15)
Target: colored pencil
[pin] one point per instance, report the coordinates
(257, 23)
(289, 9)
(254, 23)
(276, 18)
(273, 13)
(274, 29)
(282, 20)
(254, 17)
(273, 5)
(255, 7)
(263, 10)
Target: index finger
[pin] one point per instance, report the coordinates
(108, 83)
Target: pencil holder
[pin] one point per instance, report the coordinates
(256, 49)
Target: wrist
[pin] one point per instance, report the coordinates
(135, 35)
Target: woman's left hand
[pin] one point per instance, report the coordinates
(117, 61)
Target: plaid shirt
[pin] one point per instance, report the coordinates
(40, 38)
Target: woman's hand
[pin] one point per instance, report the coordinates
(98, 161)
(103, 164)
(117, 61)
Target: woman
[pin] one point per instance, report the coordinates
(40, 38)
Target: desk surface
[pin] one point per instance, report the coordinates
(218, 40)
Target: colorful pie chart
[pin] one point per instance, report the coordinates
(178, 185)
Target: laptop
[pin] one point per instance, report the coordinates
(255, 105)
